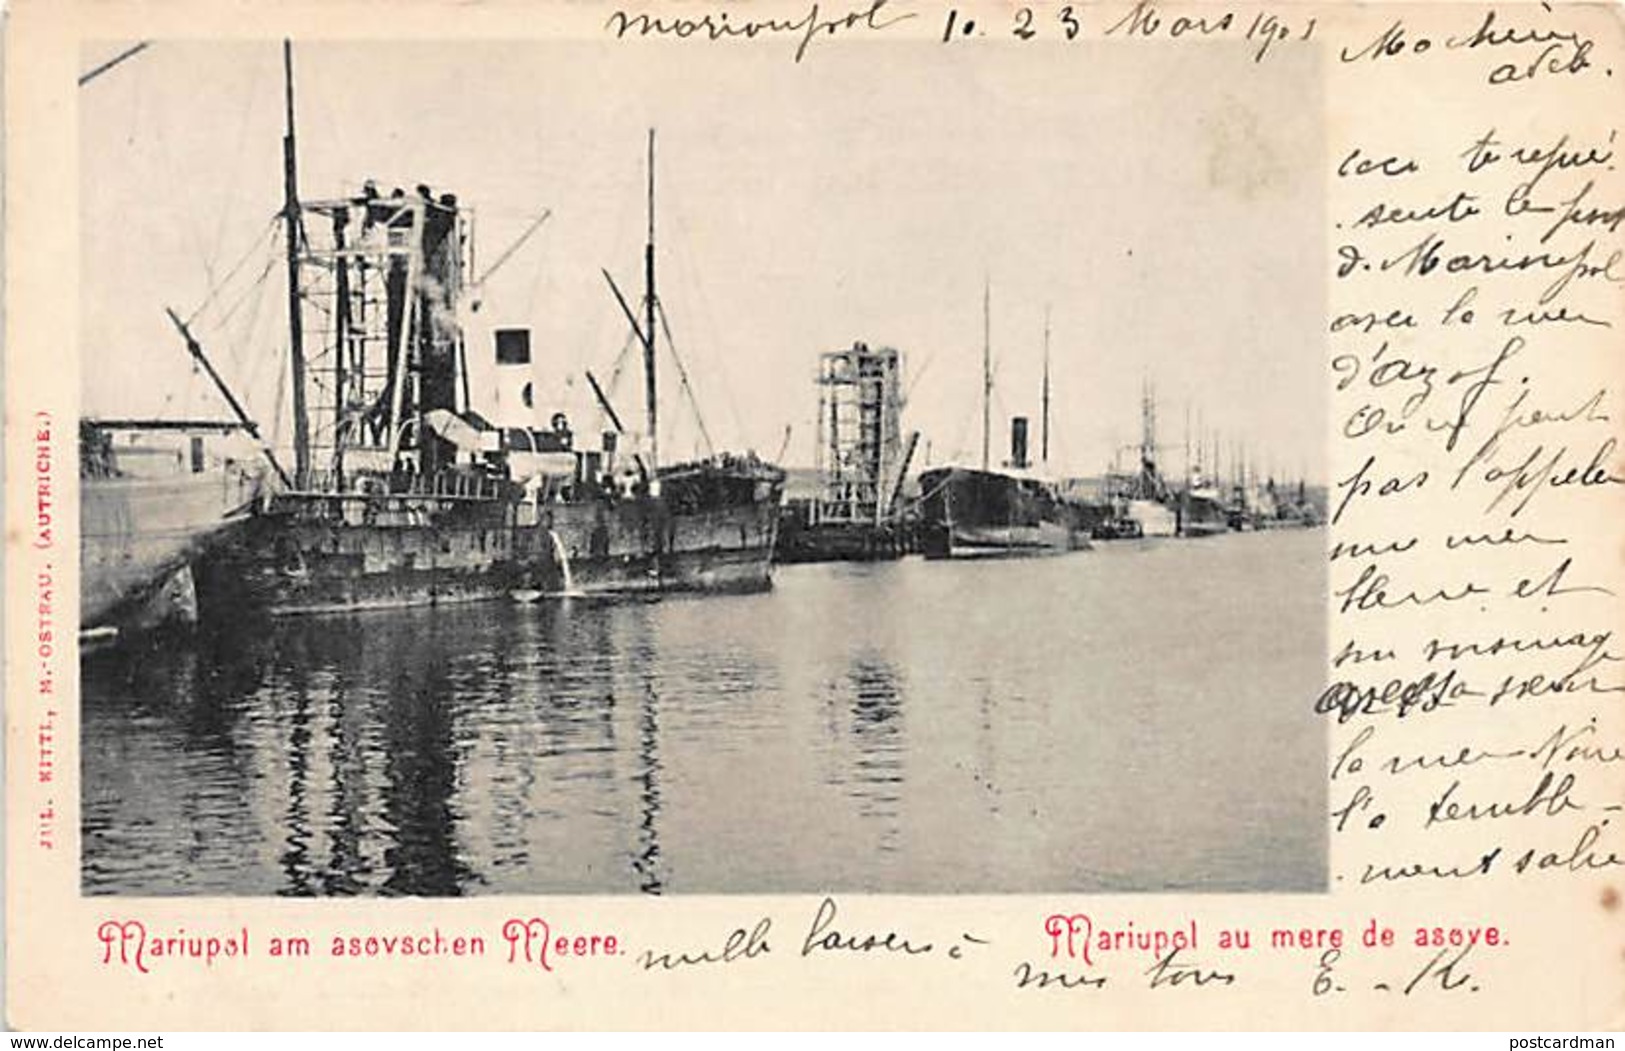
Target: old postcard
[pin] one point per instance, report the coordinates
(902, 514)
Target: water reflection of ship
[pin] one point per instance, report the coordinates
(985, 511)
(421, 760)
(353, 748)
(403, 493)
(877, 712)
(872, 694)
(647, 863)
(549, 745)
(367, 739)
(181, 720)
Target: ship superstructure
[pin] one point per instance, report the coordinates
(403, 492)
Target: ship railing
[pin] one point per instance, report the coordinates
(458, 485)
(446, 485)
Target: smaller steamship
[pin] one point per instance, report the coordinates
(968, 512)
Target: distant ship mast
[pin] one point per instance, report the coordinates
(1043, 448)
(1148, 439)
(987, 368)
(650, 390)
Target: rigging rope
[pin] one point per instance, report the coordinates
(919, 374)
(536, 279)
(257, 286)
(682, 374)
(190, 221)
(620, 361)
(243, 124)
(698, 292)
(251, 324)
(216, 288)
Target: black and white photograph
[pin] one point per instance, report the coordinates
(524, 467)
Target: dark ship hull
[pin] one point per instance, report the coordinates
(134, 533)
(968, 513)
(843, 543)
(321, 553)
(1092, 518)
(1202, 515)
(803, 541)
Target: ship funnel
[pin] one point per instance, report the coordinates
(515, 395)
(1018, 442)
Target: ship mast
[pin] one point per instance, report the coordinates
(987, 367)
(650, 391)
(1188, 472)
(1148, 433)
(290, 215)
(1043, 449)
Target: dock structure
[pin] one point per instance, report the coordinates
(860, 407)
(862, 460)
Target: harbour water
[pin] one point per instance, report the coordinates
(1133, 718)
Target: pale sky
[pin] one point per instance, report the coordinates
(1166, 204)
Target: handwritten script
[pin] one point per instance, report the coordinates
(1474, 344)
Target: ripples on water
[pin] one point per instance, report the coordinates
(1138, 717)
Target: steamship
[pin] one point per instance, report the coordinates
(403, 493)
(1146, 502)
(970, 512)
(1202, 511)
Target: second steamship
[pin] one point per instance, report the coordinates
(983, 511)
